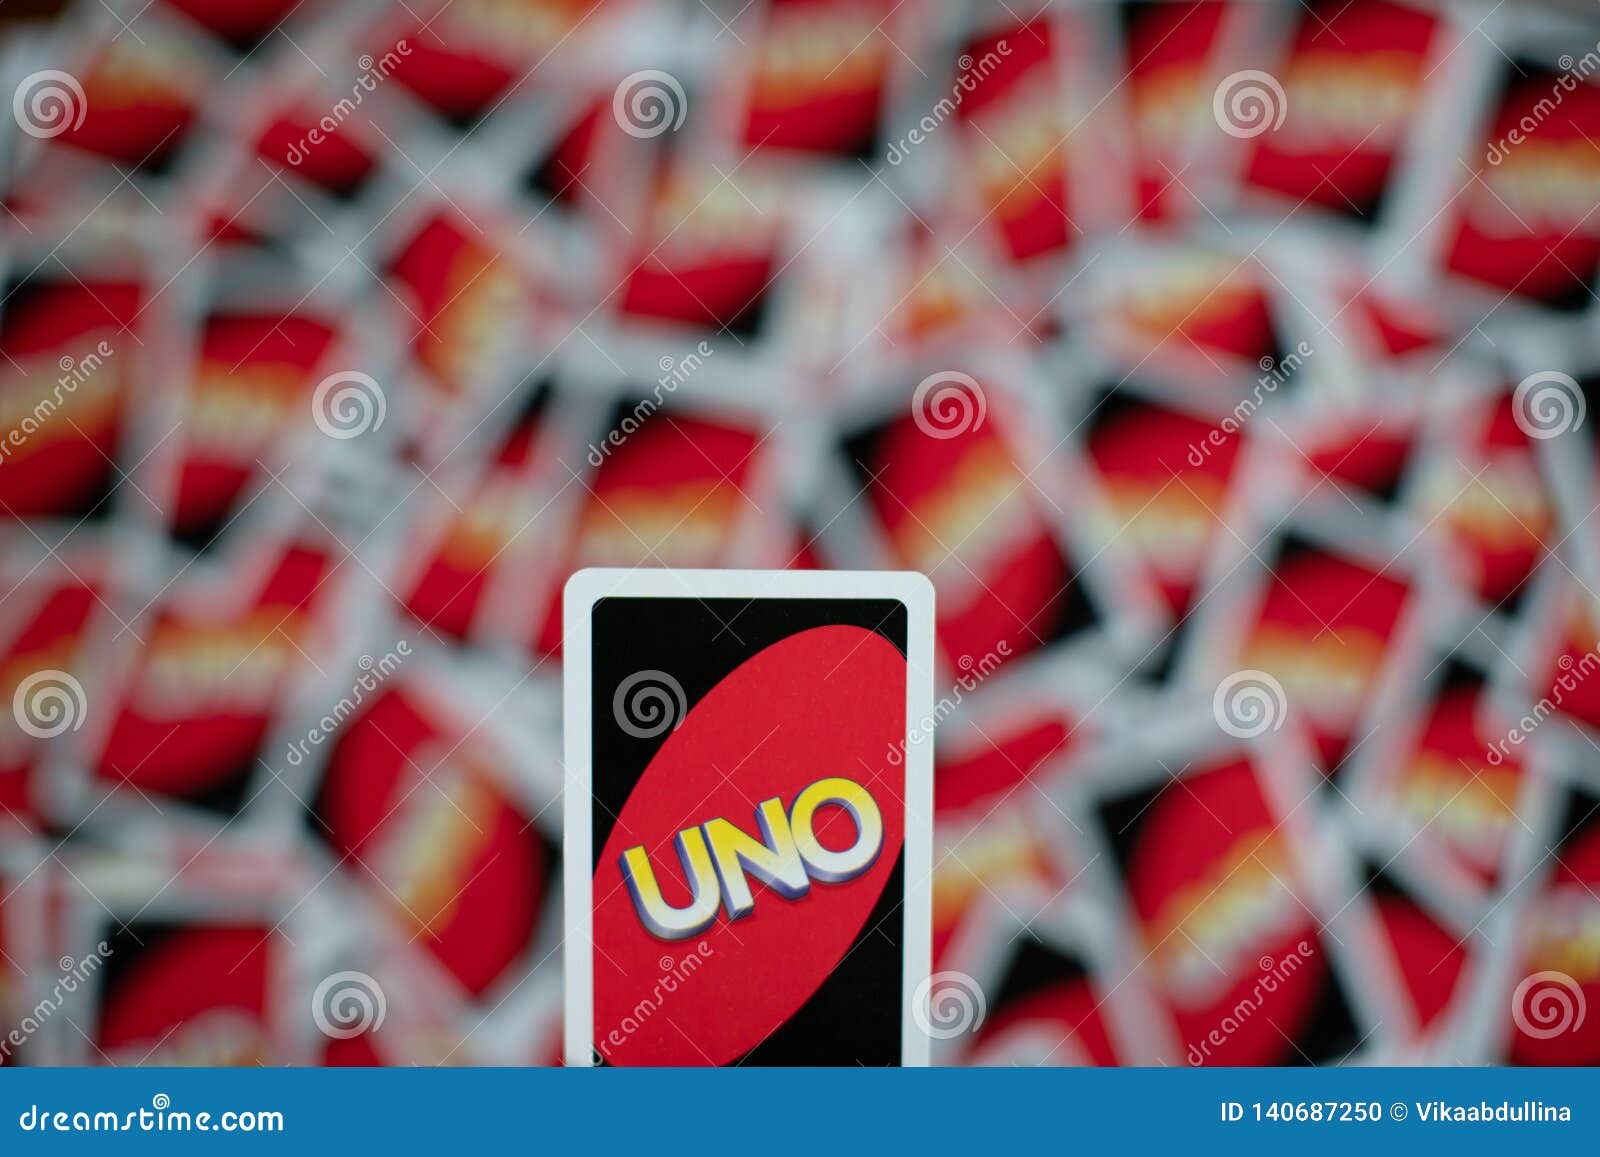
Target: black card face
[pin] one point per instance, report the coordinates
(752, 809)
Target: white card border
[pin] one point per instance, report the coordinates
(582, 591)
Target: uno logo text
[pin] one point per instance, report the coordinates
(718, 859)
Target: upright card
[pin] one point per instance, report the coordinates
(748, 816)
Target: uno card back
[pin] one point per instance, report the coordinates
(746, 793)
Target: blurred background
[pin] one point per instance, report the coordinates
(1228, 366)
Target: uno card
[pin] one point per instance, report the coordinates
(1353, 85)
(748, 817)
(1556, 979)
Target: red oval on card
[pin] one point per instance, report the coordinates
(829, 701)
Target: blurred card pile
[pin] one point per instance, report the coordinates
(1230, 368)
